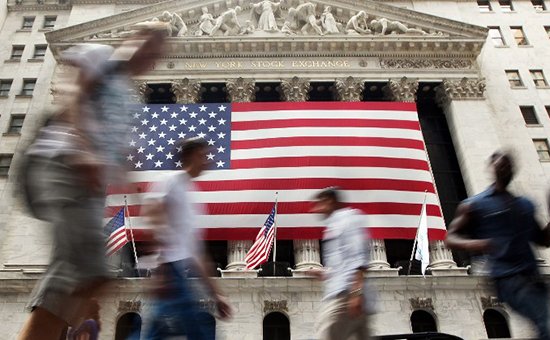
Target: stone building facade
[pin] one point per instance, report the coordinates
(479, 65)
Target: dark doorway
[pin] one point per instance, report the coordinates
(217, 250)
(268, 92)
(374, 92)
(276, 327)
(128, 327)
(322, 91)
(161, 94)
(495, 324)
(213, 93)
(285, 260)
(422, 321)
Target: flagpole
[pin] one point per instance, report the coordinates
(417, 228)
(275, 233)
(127, 213)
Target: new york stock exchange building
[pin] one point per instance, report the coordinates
(475, 72)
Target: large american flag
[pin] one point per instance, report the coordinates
(374, 151)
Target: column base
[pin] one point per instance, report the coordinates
(382, 272)
(449, 271)
(239, 273)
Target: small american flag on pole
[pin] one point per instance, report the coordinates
(116, 233)
(259, 252)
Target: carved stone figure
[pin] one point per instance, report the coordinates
(206, 23)
(228, 22)
(328, 22)
(290, 25)
(384, 26)
(248, 28)
(357, 24)
(176, 27)
(263, 14)
(305, 14)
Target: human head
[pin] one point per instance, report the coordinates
(204, 10)
(502, 166)
(238, 9)
(192, 154)
(327, 9)
(327, 201)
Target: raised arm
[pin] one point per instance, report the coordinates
(456, 240)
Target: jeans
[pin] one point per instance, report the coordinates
(527, 294)
(177, 312)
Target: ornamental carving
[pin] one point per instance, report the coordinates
(402, 90)
(426, 63)
(349, 89)
(186, 91)
(295, 89)
(275, 306)
(240, 90)
(460, 89)
(142, 91)
(491, 302)
(421, 303)
(129, 306)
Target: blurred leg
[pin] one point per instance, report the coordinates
(42, 325)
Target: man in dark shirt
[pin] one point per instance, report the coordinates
(503, 226)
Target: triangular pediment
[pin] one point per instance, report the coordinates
(291, 27)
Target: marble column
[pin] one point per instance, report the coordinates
(186, 91)
(307, 256)
(441, 258)
(239, 90)
(141, 91)
(295, 89)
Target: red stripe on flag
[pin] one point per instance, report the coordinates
(377, 162)
(370, 106)
(327, 141)
(334, 123)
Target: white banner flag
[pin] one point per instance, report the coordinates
(422, 253)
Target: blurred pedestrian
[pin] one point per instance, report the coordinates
(176, 310)
(347, 300)
(503, 226)
(67, 169)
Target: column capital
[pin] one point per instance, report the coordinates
(295, 89)
(186, 91)
(241, 90)
(349, 89)
(142, 91)
(460, 89)
(402, 90)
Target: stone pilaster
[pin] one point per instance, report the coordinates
(402, 90)
(349, 89)
(186, 91)
(307, 256)
(295, 89)
(378, 265)
(241, 90)
(142, 91)
(236, 265)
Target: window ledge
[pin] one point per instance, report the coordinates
(544, 160)
(534, 125)
(45, 29)
(11, 134)
(525, 46)
(35, 60)
(3, 96)
(12, 60)
(23, 96)
(519, 87)
(24, 30)
(543, 87)
(503, 46)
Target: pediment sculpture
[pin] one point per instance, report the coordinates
(272, 17)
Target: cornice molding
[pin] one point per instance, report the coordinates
(408, 63)
(29, 7)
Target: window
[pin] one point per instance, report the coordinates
(28, 87)
(5, 162)
(506, 5)
(529, 115)
(27, 23)
(128, 326)
(5, 86)
(39, 51)
(49, 22)
(519, 36)
(496, 36)
(495, 324)
(539, 5)
(484, 6)
(16, 123)
(538, 78)
(514, 78)
(547, 29)
(422, 321)
(17, 52)
(542, 149)
(547, 110)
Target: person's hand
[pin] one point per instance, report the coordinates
(355, 305)
(224, 308)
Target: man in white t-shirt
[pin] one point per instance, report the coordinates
(176, 310)
(346, 299)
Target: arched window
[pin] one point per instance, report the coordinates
(128, 327)
(495, 324)
(422, 321)
(276, 327)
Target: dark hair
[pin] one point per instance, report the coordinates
(501, 153)
(332, 193)
(187, 147)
